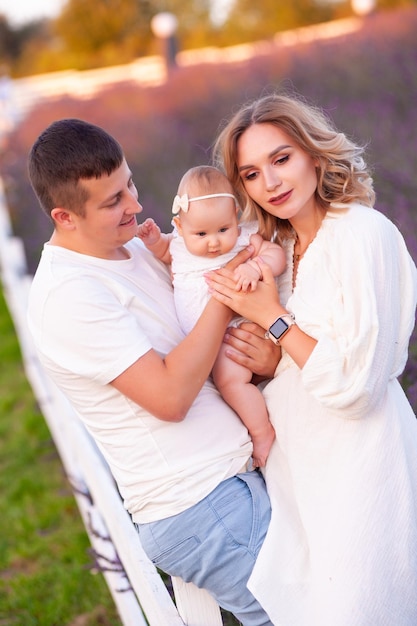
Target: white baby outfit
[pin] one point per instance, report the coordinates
(190, 288)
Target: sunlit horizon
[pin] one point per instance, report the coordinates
(20, 13)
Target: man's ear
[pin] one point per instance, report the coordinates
(177, 223)
(63, 218)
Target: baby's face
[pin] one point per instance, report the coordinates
(210, 227)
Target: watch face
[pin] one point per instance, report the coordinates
(278, 328)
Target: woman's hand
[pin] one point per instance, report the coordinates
(249, 348)
(262, 306)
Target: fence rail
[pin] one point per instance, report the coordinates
(138, 590)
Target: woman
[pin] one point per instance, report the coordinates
(342, 473)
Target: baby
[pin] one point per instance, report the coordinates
(206, 235)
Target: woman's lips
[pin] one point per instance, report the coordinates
(276, 200)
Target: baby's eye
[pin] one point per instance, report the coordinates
(223, 230)
(202, 234)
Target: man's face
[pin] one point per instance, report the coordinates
(110, 214)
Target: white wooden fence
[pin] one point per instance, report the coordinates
(138, 590)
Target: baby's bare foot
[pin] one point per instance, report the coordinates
(262, 444)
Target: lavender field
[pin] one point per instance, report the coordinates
(366, 81)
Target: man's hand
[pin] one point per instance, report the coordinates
(249, 348)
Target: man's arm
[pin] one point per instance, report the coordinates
(166, 387)
(248, 347)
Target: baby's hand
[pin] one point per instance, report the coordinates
(247, 276)
(149, 232)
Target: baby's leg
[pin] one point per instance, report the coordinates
(234, 383)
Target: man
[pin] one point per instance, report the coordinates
(102, 315)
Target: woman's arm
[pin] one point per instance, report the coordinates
(262, 306)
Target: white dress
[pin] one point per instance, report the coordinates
(190, 288)
(341, 549)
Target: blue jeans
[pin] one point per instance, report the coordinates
(215, 543)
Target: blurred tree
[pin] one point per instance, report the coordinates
(249, 21)
(393, 4)
(195, 28)
(14, 40)
(39, 50)
(8, 43)
(117, 31)
(89, 34)
(104, 33)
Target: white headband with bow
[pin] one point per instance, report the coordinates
(182, 203)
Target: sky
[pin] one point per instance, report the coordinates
(18, 12)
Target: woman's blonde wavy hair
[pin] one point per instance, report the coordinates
(342, 174)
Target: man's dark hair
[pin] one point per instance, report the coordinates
(66, 152)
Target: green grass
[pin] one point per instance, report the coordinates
(45, 576)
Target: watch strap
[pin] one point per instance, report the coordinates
(280, 327)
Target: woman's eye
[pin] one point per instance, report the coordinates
(250, 176)
(282, 159)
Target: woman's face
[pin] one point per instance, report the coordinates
(276, 172)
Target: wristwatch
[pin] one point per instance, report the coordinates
(280, 327)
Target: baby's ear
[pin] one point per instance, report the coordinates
(176, 220)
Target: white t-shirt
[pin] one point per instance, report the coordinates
(91, 319)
